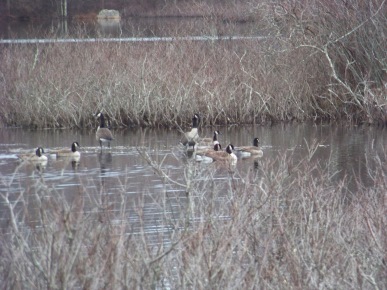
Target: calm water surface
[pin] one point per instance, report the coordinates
(109, 175)
(127, 27)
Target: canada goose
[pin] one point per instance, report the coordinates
(103, 134)
(247, 151)
(228, 157)
(204, 154)
(192, 137)
(73, 153)
(216, 148)
(38, 157)
(211, 141)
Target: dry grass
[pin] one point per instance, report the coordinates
(319, 62)
(285, 225)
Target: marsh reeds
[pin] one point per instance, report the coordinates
(316, 62)
(281, 225)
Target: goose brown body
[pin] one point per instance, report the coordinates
(103, 134)
(247, 151)
(225, 158)
(227, 155)
(191, 137)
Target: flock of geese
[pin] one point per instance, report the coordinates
(210, 150)
(103, 136)
(204, 149)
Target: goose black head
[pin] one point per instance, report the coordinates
(39, 151)
(195, 120)
(217, 147)
(256, 142)
(101, 119)
(229, 148)
(216, 133)
(74, 146)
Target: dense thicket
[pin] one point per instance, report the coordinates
(318, 61)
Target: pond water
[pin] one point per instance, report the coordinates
(126, 28)
(105, 176)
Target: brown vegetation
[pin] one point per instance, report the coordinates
(318, 62)
(285, 226)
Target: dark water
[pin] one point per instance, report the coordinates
(108, 176)
(127, 27)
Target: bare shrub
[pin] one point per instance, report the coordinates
(341, 54)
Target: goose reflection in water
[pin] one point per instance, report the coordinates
(74, 165)
(105, 161)
(40, 167)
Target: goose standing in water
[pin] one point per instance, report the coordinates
(103, 133)
(192, 137)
